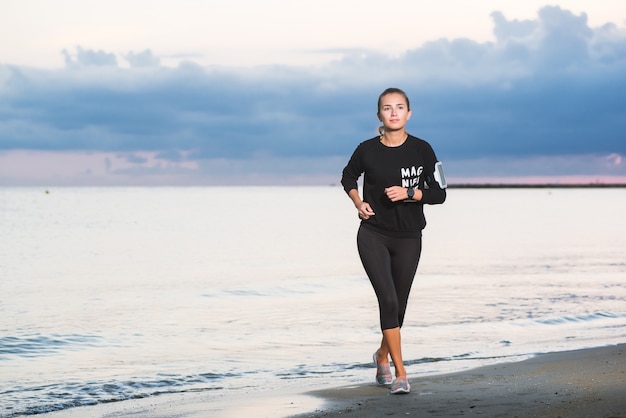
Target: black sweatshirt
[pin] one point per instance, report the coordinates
(411, 164)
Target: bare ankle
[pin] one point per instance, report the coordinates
(382, 358)
(400, 372)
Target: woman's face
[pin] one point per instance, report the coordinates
(394, 111)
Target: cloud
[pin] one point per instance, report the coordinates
(89, 57)
(67, 168)
(549, 87)
(511, 29)
(143, 59)
(614, 160)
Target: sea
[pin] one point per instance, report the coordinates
(110, 294)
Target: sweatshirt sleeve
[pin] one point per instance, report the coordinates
(352, 171)
(432, 192)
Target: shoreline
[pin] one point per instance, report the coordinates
(581, 383)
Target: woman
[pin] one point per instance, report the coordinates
(401, 174)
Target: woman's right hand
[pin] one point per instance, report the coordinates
(365, 210)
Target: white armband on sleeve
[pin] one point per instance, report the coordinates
(439, 176)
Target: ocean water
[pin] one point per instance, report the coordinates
(111, 294)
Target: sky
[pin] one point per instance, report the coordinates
(281, 92)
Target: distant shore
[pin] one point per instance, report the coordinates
(529, 185)
(536, 186)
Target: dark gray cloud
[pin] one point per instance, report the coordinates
(548, 86)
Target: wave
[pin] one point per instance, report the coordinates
(59, 396)
(34, 400)
(565, 319)
(36, 345)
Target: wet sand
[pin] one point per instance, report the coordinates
(582, 383)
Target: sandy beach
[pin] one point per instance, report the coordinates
(581, 383)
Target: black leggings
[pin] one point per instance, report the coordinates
(390, 264)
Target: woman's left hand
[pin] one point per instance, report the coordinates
(397, 193)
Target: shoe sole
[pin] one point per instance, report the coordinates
(400, 391)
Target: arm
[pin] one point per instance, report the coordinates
(349, 177)
(435, 193)
(364, 208)
(434, 187)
